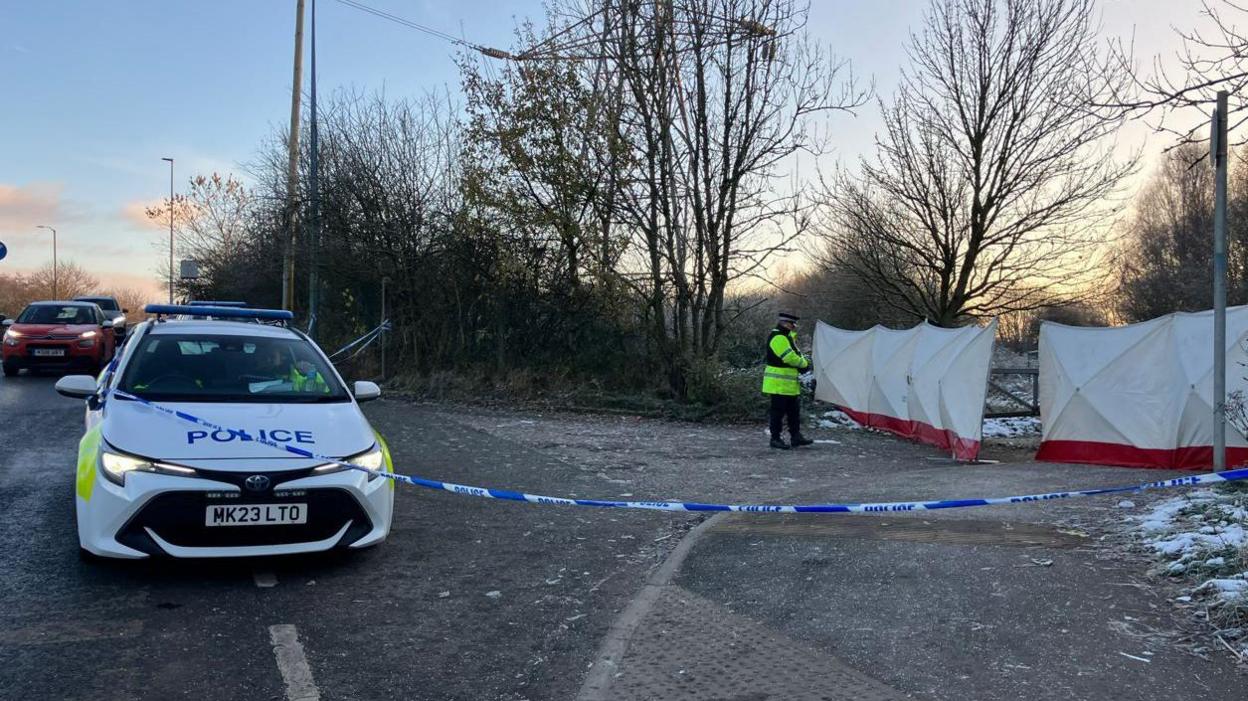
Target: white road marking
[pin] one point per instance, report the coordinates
(265, 579)
(292, 663)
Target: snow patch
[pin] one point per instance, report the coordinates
(1202, 534)
(1011, 427)
(1188, 545)
(838, 419)
(1225, 589)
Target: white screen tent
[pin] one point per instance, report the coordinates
(925, 383)
(1139, 395)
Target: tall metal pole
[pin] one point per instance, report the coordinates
(55, 292)
(1218, 143)
(292, 168)
(314, 232)
(170, 228)
(384, 280)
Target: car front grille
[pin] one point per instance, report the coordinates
(67, 355)
(178, 517)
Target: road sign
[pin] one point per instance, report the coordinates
(3, 251)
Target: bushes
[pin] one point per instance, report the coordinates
(717, 392)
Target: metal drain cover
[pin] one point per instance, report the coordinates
(913, 530)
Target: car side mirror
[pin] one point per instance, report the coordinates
(76, 386)
(108, 324)
(6, 323)
(366, 391)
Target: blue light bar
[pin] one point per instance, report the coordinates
(207, 303)
(220, 312)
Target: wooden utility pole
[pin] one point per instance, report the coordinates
(314, 231)
(292, 174)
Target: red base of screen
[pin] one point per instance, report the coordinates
(962, 448)
(1197, 457)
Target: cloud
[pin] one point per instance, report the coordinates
(152, 286)
(135, 213)
(23, 207)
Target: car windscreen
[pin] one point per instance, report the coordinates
(57, 314)
(213, 368)
(108, 304)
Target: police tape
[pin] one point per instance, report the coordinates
(366, 339)
(876, 507)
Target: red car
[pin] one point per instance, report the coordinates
(58, 336)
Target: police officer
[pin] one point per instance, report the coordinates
(299, 372)
(784, 362)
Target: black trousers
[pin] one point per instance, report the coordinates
(785, 407)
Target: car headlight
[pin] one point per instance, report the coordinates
(117, 465)
(370, 459)
(87, 334)
(11, 336)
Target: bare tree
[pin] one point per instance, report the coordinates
(993, 180)
(1164, 264)
(71, 280)
(1211, 59)
(211, 222)
(132, 299)
(717, 95)
(211, 215)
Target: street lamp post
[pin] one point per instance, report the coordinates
(170, 228)
(1218, 148)
(55, 292)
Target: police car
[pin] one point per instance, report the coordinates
(150, 484)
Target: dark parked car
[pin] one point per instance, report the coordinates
(112, 310)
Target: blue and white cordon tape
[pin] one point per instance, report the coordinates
(367, 339)
(887, 506)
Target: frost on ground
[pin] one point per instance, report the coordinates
(1012, 427)
(838, 419)
(1202, 538)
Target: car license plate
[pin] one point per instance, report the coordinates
(255, 514)
(51, 352)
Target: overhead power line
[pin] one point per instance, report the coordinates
(437, 33)
(548, 48)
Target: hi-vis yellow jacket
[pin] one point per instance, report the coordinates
(784, 361)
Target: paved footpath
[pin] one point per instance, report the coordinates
(993, 603)
(474, 599)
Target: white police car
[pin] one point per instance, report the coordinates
(152, 484)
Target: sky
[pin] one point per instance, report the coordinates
(97, 93)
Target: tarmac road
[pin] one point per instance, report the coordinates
(468, 599)
(482, 600)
